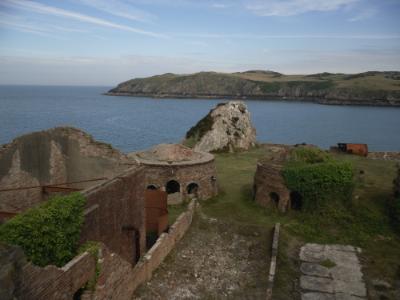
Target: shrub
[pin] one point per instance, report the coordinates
(49, 233)
(309, 155)
(318, 177)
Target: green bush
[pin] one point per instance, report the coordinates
(309, 155)
(49, 233)
(317, 177)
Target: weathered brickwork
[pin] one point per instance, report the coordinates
(269, 186)
(115, 214)
(54, 156)
(204, 175)
(23, 280)
(118, 279)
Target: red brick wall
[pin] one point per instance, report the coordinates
(114, 211)
(185, 174)
(32, 282)
(118, 280)
(268, 179)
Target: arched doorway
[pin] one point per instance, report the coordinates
(192, 188)
(152, 187)
(296, 200)
(172, 187)
(274, 198)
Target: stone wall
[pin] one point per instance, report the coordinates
(118, 280)
(203, 174)
(20, 279)
(115, 214)
(269, 186)
(384, 155)
(53, 156)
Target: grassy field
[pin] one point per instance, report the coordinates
(373, 81)
(362, 223)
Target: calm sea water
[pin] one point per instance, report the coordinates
(137, 123)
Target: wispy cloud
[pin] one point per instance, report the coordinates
(364, 14)
(121, 9)
(219, 5)
(294, 7)
(25, 28)
(59, 12)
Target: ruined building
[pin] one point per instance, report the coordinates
(120, 192)
(269, 188)
(180, 171)
(63, 159)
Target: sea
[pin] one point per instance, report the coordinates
(135, 123)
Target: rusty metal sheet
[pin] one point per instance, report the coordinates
(162, 223)
(156, 207)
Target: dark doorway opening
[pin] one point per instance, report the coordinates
(296, 200)
(192, 188)
(274, 197)
(172, 187)
(152, 187)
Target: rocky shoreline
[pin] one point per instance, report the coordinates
(318, 100)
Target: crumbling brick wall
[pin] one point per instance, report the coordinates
(268, 181)
(115, 214)
(20, 279)
(53, 156)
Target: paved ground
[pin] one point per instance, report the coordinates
(215, 260)
(331, 272)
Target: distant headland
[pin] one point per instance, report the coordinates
(368, 88)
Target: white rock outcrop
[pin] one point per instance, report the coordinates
(227, 127)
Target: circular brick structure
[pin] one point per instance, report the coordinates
(269, 187)
(180, 171)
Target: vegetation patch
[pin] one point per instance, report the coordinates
(327, 263)
(93, 248)
(49, 233)
(199, 130)
(318, 177)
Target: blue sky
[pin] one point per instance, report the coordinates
(100, 42)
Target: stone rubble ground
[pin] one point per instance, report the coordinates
(215, 260)
(341, 277)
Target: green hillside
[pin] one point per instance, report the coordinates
(369, 88)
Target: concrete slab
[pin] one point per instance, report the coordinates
(342, 281)
(318, 284)
(317, 296)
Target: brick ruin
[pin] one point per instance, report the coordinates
(62, 159)
(269, 188)
(114, 215)
(180, 171)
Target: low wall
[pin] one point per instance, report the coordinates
(384, 155)
(20, 279)
(118, 280)
(272, 266)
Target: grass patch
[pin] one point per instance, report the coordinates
(362, 222)
(327, 263)
(174, 211)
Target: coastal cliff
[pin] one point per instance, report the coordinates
(369, 88)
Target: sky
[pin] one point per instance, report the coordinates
(104, 42)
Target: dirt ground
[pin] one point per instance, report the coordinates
(215, 260)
